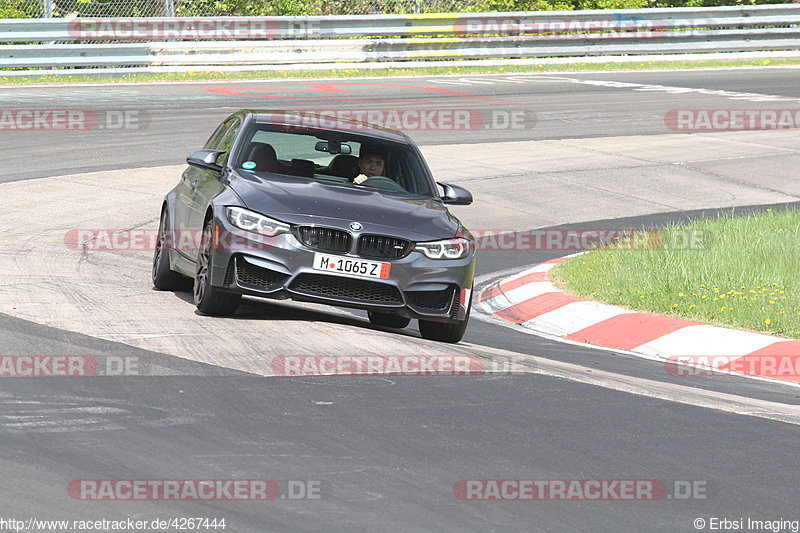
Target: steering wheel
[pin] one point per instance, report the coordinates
(383, 183)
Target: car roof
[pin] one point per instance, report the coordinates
(317, 122)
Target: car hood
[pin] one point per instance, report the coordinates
(298, 201)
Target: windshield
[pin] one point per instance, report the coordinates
(334, 157)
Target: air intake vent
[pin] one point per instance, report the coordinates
(324, 239)
(346, 289)
(382, 247)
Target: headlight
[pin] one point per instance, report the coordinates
(446, 249)
(251, 221)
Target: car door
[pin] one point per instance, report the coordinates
(208, 183)
(185, 210)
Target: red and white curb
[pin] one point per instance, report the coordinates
(528, 300)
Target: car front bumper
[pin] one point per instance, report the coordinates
(281, 267)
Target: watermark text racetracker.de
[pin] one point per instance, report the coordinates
(606, 490)
(614, 27)
(393, 365)
(189, 241)
(732, 119)
(412, 119)
(189, 28)
(218, 490)
(581, 239)
(59, 120)
(68, 366)
(785, 366)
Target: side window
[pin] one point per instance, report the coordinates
(215, 138)
(408, 173)
(226, 143)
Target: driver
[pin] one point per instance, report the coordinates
(370, 163)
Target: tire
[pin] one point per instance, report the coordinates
(388, 320)
(211, 300)
(445, 331)
(164, 278)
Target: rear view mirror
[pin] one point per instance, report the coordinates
(455, 195)
(206, 159)
(333, 147)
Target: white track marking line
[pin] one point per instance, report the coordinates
(574, 317)
(707, 340)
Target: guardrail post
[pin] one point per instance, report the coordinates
(417, 8)
(169, 8)
(48, 8)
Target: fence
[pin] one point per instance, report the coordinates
(207, 43)
(210, 8)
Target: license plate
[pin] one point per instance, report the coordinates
(353, 267)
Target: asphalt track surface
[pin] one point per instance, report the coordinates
(388, 450)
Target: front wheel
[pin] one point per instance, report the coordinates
(445, 331)
(211, 300)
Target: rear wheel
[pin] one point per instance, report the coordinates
(211, 300)
(388, 320)
(164, 278)
(445, 331)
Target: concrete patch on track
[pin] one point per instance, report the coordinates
(108, 294)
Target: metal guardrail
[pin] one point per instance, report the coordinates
(209, 42)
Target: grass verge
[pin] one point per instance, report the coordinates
(356, 73)
(739, 271)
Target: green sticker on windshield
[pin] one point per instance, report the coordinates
(249, 165)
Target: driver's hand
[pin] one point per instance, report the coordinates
(361, 178)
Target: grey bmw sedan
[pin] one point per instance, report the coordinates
(319, 209)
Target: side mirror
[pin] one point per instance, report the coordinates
(333, 147)
(206, 159)
(455, 195)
